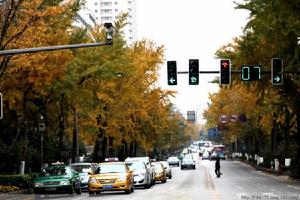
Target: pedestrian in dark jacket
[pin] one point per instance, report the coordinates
(217, 166)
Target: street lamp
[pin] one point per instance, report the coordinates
(109, 31)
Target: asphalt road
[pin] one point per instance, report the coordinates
(238, 182)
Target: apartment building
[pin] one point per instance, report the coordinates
(103, 11)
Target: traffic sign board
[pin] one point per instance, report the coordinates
(223, 119)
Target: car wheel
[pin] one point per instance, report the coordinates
(146, 186)
(170, 177)
(71, 191)
(98, 192)
(91, 193)
(132, 189)
(78, 191)
(128, 191)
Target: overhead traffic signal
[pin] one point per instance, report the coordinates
(193, 71)
(225, 72)
(250, 73)
(172, 72)
(277, 71)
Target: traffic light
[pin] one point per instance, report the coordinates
(193, 71)
(277, 71)
(225, 72)
(250, 73)
(172, 72)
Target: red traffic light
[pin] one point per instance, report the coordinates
(225, 72)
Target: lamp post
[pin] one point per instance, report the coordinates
(41, 130)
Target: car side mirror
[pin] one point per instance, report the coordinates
(89, 173)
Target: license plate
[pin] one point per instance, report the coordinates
(51, 189)
(107, 186)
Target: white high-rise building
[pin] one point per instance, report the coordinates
(108, 10)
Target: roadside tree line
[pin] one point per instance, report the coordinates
(272, 129)
(105, 95)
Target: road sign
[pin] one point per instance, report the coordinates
(1, 106)
(172, 72)
(233, 118)
(191, 116)
(225, 72)
(193, 71)
(223, 119)
(250, 73)
(277, 71)
(243, 118)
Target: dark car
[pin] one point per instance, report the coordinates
(188, 162)
(57, 179)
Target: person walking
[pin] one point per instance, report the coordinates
(218, 167)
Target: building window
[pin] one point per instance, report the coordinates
(96, 3)
(106, 4)
(116, 3)
(116, 10)
(96, 11)
(106, 18)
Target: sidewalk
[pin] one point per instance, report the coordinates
(283, 176)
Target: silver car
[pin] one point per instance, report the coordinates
(147, 161)
(141, 174)
(168, 169)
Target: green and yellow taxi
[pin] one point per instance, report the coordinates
(57, 179)
(111, 176)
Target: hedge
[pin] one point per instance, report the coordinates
(16, 182)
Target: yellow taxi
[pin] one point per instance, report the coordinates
(111, 176)
(160, 172)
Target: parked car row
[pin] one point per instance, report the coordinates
(100, 177)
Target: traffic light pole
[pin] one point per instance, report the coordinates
(52, 48)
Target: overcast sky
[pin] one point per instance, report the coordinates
(190, 29)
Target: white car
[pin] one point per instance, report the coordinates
(141, 174)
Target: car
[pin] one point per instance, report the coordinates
(206, 155)
(188, 163)
(168, 169)
(57, 179)
(85, 170)
(141, 174)
(173, 160)
(147, 161)
(160, 172)
(111, 176)
(216, 154)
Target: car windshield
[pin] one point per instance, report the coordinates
(110, 168)
(173, 158)
(55, 171)
(157, 166)
(187, 160)
(82, 168)
(136, 165)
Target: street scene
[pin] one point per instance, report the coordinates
(150, 99)
(238, 181)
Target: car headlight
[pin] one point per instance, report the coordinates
(92, 180)
(122, 178)
(37, 184)
(64, 182)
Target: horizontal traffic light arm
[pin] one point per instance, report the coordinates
(237, 72)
